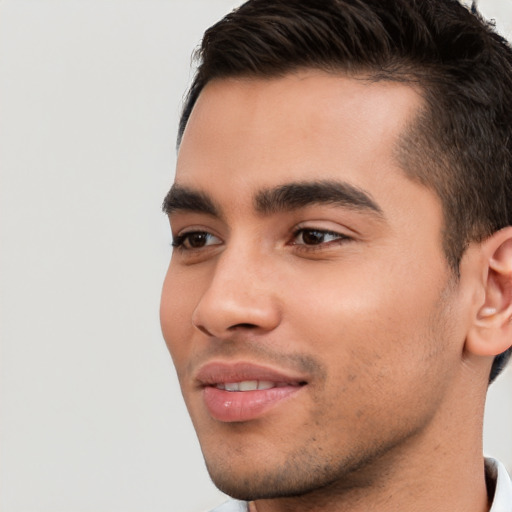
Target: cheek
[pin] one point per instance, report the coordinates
(385, 362)
(176, 307)
(372, 323)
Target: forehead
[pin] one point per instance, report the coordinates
(248, 134)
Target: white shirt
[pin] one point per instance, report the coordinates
(502, 501)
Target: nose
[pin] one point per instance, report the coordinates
(241, 296)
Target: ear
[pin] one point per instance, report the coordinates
(491, 330)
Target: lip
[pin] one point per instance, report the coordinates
(239, 406)
(222, 372)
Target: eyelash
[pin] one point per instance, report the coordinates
(338, 238)
(179, 241)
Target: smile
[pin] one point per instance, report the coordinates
(252, 385)
(242, 391)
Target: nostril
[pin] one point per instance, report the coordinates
(243, 326)
(235, 327)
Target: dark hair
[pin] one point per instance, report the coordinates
(461, 144)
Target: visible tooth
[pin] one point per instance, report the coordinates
(248, 385)
(265, 384)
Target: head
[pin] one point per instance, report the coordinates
(460, 146)
(408, 103)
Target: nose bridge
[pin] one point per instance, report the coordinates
(240, 294)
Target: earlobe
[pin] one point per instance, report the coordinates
(491, 332)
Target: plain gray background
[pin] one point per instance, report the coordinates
(91, 415)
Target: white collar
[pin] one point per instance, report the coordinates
(502, 501)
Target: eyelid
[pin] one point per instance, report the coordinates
(325, 226)
(182, 229)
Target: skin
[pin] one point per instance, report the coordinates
(371, 315)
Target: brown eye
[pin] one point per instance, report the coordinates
(311, 237)
(316, 237)
(195, 240)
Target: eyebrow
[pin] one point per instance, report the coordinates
(283, 198)
(293, 196)
(180, 198)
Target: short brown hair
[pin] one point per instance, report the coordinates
(461, 143)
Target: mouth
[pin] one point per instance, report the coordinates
(254, 385)
(243, 391)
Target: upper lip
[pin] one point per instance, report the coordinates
(223, 372)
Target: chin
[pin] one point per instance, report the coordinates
(290, 479)
(305, 471)
(249, 488)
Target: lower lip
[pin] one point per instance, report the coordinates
(237, 406)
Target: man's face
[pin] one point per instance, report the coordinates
(309, 308)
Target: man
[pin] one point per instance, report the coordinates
(340, 292)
